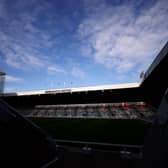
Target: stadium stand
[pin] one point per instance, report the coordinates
(134, 110)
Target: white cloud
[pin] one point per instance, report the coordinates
(55, 69)
(2, 9)
(24, 45)
(78, 72)
(9, 89)
(121, 37)
(21, 49)
(9, 78)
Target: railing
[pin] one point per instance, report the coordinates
(124, 150)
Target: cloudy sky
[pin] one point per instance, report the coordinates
(48, 44)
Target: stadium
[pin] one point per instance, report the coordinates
(98, 125)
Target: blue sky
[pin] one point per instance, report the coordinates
(48, 44)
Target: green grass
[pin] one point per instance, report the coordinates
(118, 131)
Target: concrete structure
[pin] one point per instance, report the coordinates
(2, 80)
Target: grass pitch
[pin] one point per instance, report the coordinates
(116, 131)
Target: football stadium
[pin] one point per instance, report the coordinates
(118, 125)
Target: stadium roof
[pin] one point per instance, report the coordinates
(79, 89)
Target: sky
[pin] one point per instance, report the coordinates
(47, 44)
